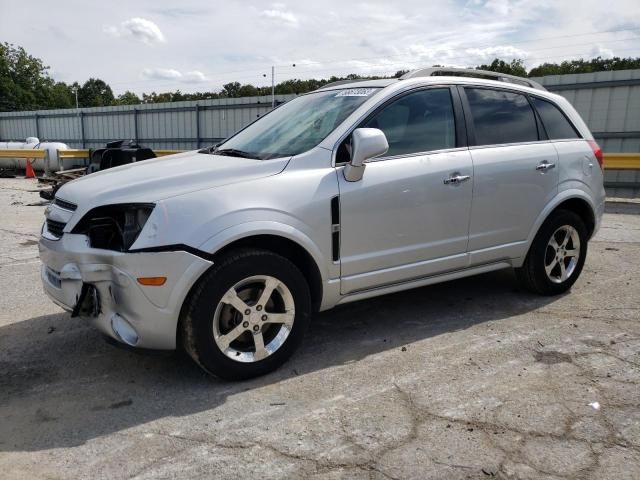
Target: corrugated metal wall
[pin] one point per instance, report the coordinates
(609, 102)
(178, 125)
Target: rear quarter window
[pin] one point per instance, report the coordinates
(554, 121)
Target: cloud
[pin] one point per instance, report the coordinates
(193, 76)
(500, 7)
(161, 73)
(176, 12)
(281, 16)
(139, 28)
(506, 52)
(599, 51)
(242, 40)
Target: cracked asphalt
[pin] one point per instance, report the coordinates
(471, 379)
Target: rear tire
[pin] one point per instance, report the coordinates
(247, 314)
(556, 256)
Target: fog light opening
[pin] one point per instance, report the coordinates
(124, 331)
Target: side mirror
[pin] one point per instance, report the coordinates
(366, 143)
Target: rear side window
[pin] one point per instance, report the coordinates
(555, 123)
(501, 117)
(421, 121)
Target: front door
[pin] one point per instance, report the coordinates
(408, 217)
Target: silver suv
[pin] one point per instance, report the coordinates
(349, 192)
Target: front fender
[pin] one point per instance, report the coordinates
(267, 227)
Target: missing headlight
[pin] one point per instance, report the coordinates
(114, 227)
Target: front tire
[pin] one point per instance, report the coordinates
(556, 256)
(247, 314)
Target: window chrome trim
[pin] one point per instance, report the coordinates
(512, 144)
(415, 154)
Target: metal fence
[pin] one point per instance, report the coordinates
(609, 102)
(177, 125)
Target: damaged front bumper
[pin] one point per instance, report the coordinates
(101, 286)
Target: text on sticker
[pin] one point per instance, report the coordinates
(356, 92)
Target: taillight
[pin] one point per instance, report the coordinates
(597, 151)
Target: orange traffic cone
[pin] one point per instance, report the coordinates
(29, 173)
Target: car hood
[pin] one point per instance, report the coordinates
(160, 178)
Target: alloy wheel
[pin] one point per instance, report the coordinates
(562, 254)
(254, 318)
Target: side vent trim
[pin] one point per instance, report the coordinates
(335, 228)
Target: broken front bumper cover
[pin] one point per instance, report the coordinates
(101, 286)
(88, 304)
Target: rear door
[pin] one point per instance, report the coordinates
(515, 171)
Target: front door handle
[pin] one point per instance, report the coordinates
(456, 179)
(544, 166)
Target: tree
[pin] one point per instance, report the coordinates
(597, 64)
(95, 93)
(128, 98)
(24, 81)
(248, 91)
(61, 95)
(515, 67)
(231, 90)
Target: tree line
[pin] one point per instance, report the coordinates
(25, 83)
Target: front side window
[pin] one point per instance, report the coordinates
(421, 121)
(555, 123)
(501, 117)
(296, 126)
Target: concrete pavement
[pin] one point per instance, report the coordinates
(469, 379)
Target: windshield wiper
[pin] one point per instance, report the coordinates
(232, 152)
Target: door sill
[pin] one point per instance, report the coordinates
(423, 281)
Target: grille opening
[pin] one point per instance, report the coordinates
(55, 228)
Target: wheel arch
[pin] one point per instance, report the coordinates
(281, 238)
(289, 249)
(583, 209)
(576, 201)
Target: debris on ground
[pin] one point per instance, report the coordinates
(58, 179)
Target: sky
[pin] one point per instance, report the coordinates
(165, 45)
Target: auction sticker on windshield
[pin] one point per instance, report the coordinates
(356, 92)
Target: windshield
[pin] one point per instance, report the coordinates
(296, 126)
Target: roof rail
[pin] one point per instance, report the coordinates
(470, 72)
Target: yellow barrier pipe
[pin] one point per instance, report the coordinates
(83, 153)
(20, 153)
(73, 153)
(622, 161)
(163, 153)
(612, 161)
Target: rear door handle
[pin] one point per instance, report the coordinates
(456, 179)
(545, 166)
